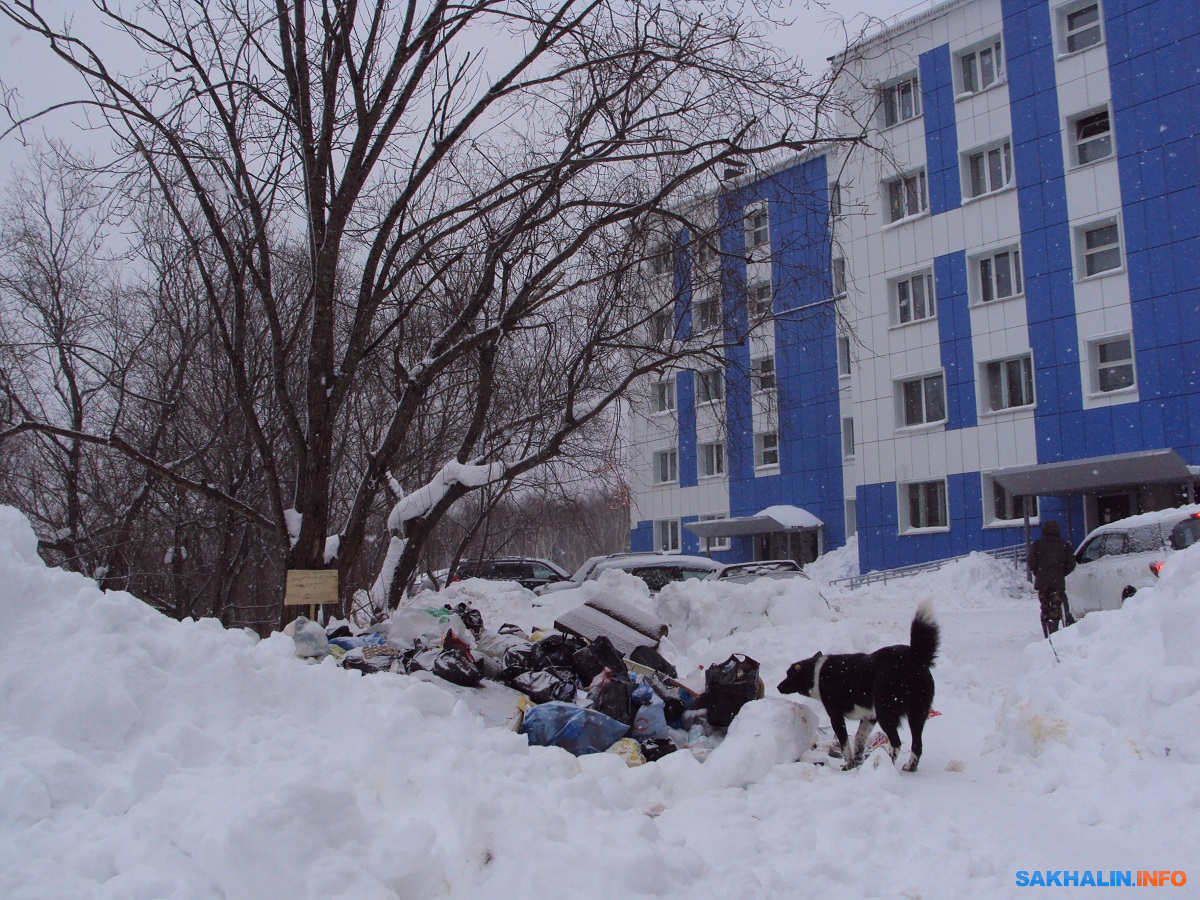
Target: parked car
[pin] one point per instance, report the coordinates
(525, 571)
(1183, 535)
(1115, 560)
(658, 569)
(585, 570)
(745, 572)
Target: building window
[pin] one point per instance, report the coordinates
(900, 101)
(836, 207)
(1111, 363)
(766, 449)
(762, 374)
(710, 386)
(662, 326)
(843, 350)
(666, 535)
(1079, 26)
(712, 459)
(666, 467)
(1007, 507)
(848, 438)
(662, 395)
(989, 170)
(999, 275)
(1091, 137)
(839, 276)
(761, 297)
(981, 67)
(1010, 383)
(906, 196)
(925, 503)
(1099, 247)
(660, 259)
(912, 298)
(720, 542)
(923, 400)
(706, 314)
(704, 251)
(758, 227)
(851, 517)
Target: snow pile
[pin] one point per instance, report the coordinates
(839, 563)
(1118, 686)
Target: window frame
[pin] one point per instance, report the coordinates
(1084, 255)
(990, 490)
(670, 457)
(661, 259)
(758, 234)
(988, 391)
(1096, 366)
(671, 526)
(710, 386)
(891, 100)
(837, 279)
(925, 380)
(849, 447)
(760, 372)
(758, 305)
(1065, 34)
(983, 285)
(926, 523)
(837, 200)
(766, 442)
(712, 452)
(984, 154)
(706, 313)
(714, 544)
(1075, 141)
(993, 45)
(663, 396)
(897, 286)
(920, 179)
(845, 360)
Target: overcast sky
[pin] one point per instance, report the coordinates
(41, 80)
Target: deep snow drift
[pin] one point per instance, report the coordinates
(142, 757)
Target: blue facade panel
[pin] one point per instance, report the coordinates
(954, 333)
(641, 537)
(941, 130)
(685, 391)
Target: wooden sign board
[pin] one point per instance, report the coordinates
(311, 588)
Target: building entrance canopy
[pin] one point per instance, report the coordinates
(1099, 473)
(772, 520)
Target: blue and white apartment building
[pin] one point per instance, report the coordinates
(998, 315)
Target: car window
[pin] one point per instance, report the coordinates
(1092, 550)
(1115, 544)
(692, 574)
(1185, 533)
(513, 571)
(544, 573)
(657, 577)
(1145, 538)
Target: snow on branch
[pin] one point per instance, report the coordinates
(421, 501)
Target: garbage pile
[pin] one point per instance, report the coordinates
(594, 683)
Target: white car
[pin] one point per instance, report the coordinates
(1116, 559)
(658, 569)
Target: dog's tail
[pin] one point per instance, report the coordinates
(925, 636)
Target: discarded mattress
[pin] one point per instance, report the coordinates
(626, 626)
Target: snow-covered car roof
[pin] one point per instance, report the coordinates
(766, 568)
(1157, 517)
(647, 560)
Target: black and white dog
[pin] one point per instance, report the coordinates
(885, 686)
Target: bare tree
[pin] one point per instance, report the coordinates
(476, 232)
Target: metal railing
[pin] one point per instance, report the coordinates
(1016, 553)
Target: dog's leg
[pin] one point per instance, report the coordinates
(891, 728)
(916, 723)
(839, 728)
(865, 727)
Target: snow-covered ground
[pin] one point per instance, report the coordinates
(142, 757)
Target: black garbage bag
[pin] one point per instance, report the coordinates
(517, 660)
(648, 656)
(728, 687)
(418, 659)
(510, 628)
(546, 686)
(613, 696)
(456, 667)
(657, 748)
(555, 650)
(471, 617)
(600, 654)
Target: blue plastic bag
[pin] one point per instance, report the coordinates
(650, 722)
(575, 729)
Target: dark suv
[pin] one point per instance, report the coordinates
(527, 572)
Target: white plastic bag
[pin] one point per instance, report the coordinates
(310, 639)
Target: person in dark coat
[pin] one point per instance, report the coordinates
(1051, 560)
